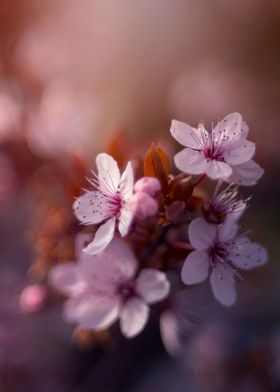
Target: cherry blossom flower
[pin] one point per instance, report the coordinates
(222, 249)
(108, 204)
(103, 288)
(215, 153)
(224, 205)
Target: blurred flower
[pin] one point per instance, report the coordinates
(61, 121)
(10, 117)
(102, 289)
(213, 153)
(32, 298)
(108, 203)
(223, 250)
(8, 178)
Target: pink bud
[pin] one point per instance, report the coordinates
(32, 298)
(149, 185)
(142, 205)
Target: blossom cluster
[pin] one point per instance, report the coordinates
(134, 232)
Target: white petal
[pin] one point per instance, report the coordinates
(102, 238)
(92, 311)
(227, 230)
(125, 220)
(223, 285)
(195, 268)
(66, 279)
(108, 173)
(229, 127)
(217, 169)
(91, 208)
(202, 234)
(184, 134)
(126, 182)
(190, 161)
(239, 151)
(246, 174)
(247, 255)
(134, 317)
(244, 130)
(152, 285)
(106, 270)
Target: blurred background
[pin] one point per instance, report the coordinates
(72, 74)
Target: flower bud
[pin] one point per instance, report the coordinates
(142, 205)
(32, 298)
(149, 185)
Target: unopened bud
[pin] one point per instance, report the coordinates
(142, 205)
(149, 185)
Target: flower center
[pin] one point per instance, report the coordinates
(212, 151)
(214, 213)
(115, 204)
(126, 291)
(217, 254)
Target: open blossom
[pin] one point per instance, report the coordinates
(222, 250)
(217, 153)
(224, 205)
(103, 288)
(108, 204)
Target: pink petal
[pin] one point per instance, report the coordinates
(108, 173)
(246, 174)
(239, 151)
(126, 182)
(229, 127)
(217, 169)
(125, 220)
(134, 317)
(91, 208)
(184, 134)
(92, 311)
(202, 234)
(189, 161)
(106, 270)
(195, 268)
(223, 285)
(227, 230)
(102, 238)
(247, 255)
(244, 130)
(152, 285)
(66, 279)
